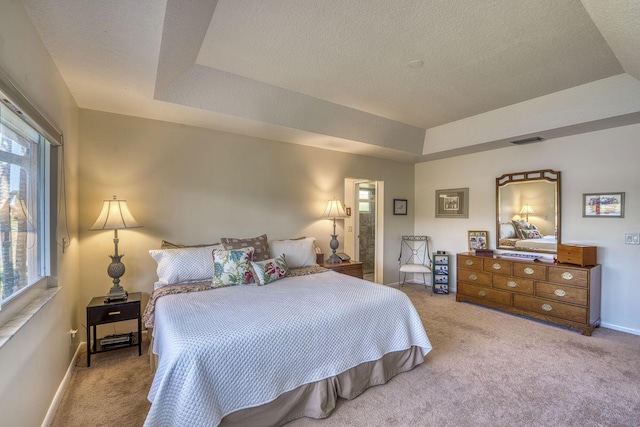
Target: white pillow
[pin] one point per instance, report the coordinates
(183, 265)
(507, 230)
(298, 253)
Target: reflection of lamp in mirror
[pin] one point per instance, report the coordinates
(526, 210)
(115, 216)
(334, 211)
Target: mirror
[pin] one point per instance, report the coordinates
(528, 211)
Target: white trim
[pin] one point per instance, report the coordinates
(38, 298)
(57, 399)
(620, 328)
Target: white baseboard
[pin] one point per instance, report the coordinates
(620, 328)
(55, 403)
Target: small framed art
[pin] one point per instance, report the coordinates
(452, 203)
(477, 239)
(400, 206)
(603, 205)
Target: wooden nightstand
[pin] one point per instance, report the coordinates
(350, 268)
(100, 312)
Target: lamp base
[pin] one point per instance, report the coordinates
(333, 259)
(116, 294)
(115, 270)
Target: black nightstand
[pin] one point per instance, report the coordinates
(100, 312)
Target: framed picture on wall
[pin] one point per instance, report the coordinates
(477, 239)
(400, 206)
(452, 203)
(603, 205)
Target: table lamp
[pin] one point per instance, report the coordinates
(115, 216)
(526, 209)
(334, 211)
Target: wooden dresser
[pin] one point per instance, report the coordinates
(564, 294)
(350, 268)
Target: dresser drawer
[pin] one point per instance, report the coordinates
(551, 308)
(485, 294)
(530, 271)
(513, 284)
(115, 313)
(561, 293)
(569, 276)
(469, 262)
(475, 277)
(497, 266)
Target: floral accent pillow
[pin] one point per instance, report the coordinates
(270, 270)
(232, 267)
(531, 234)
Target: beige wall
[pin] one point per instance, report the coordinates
(192, 185)
(33, 363)
(600, 161)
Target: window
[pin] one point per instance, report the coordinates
(25, 214)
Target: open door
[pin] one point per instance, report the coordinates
(363, 230)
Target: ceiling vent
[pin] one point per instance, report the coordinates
(528, 140)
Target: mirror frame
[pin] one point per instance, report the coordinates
(530, 176)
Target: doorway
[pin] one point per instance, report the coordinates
(365, 224)
(364, 229)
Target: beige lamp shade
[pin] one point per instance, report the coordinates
(527, 210)
(115, 215)
(334, 210)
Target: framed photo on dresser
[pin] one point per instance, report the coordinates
(477, 239)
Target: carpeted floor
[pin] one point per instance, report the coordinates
(486, 368)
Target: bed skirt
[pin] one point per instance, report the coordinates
(317, 400)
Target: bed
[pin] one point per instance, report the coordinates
(548, 243)
(265, 355)
(523, 235)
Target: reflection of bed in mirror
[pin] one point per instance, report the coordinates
(528, 211)
(509, 239)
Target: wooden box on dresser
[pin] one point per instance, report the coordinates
(564, 294)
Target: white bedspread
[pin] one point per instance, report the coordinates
(232, 348)
(546, 242)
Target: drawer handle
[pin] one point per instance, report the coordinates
(567, 276)
(529, 270)
(547, 307)
(497, 266)
(512, 284)
(482, 293)
(560, 292)
(469, 262)
(473, 277)
(114, 313)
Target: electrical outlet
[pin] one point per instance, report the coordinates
(72, 335)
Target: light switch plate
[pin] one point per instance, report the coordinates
(632, 239)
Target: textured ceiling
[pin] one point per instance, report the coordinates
(332, 74)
